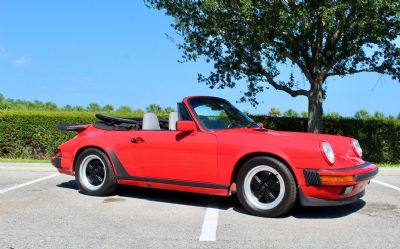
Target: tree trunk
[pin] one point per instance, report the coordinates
(315, 111)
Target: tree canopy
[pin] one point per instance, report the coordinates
(249, 41)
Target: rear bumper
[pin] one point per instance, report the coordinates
(62, 164)
(56, 161)
(326, 187)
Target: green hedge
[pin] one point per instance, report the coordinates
(35, 134)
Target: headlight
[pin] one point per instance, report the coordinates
(328, 152)
(357, 147)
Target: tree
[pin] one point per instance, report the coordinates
(361, 114)
(4, 104)
(93, 107)
(167, 110)
(398, 116)
(304, 114)
(274, 112)
(154, 108)
(124, 108)
(390, 117)
(39, 105)
(334, 115)
(107, 108)
(253, 40)
(67, 108)
(79, 108)
(379, 115)
(138, 112)
(291, 114)
(50, 106)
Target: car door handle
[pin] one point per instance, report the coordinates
(137, 140)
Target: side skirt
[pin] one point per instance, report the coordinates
(123, 175)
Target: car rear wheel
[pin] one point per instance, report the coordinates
(266, 187)
(94, 174)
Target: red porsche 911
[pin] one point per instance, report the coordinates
(210, 147)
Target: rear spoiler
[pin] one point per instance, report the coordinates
(73, 127)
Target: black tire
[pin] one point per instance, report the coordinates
(94, 173)
(272, 172)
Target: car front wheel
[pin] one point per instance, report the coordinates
(94, 174)
(266, 187)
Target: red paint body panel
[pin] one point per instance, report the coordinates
(208, 158)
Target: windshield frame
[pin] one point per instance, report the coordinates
(252, 123)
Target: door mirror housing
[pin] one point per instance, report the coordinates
(184, 125)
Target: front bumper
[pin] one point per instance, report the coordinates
(309, 201)
(332, 187)
(359, 173)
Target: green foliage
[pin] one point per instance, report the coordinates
(138, 112)
(124, 108)
(168, 109)
(50, 106)
(379, 115)
(93, 107)
(291, 114)
(304, 114)
(79, 108)
(333, 115)
(35, 134)
(68, 108)
(154, 108)
(107, 108)
(361, 114)
(274, 112)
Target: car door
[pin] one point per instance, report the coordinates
(172, 155)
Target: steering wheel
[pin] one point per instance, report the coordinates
(231, 123)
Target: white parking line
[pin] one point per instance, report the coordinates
(210, 223)
(386, 184)
(2, 191)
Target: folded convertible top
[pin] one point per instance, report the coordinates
(73, 127)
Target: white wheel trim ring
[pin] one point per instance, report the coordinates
(82, 173)
(252, 200)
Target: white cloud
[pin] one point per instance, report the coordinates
(20, 61)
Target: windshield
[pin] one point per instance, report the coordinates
(216, 114)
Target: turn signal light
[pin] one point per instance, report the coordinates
(337, 178)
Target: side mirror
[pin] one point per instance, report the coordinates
(184, 125)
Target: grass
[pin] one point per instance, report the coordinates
(24, 160)
(387, 165)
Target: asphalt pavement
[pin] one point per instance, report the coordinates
(40, 208)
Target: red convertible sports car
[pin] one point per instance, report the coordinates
(210, 147)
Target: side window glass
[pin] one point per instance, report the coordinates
(183, 113)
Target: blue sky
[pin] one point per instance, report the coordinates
(77, 52)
